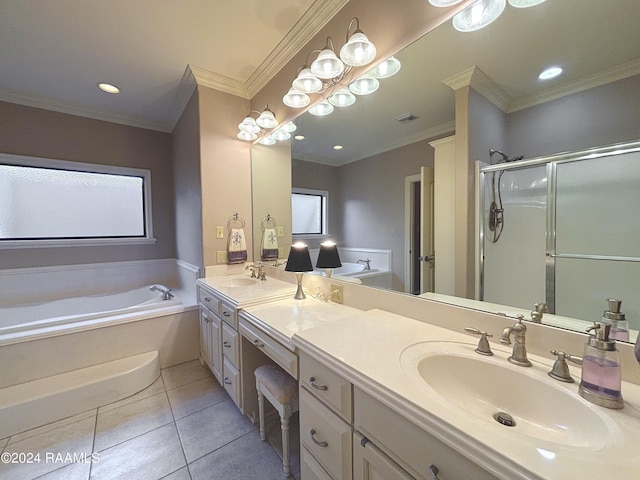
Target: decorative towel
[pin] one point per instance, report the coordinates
(237, 246)
(269, 244)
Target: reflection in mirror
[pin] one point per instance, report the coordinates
(372, 182)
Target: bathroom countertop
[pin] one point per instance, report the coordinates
(366, 350)
(242, 295)
(283, 318)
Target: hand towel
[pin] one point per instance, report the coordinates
(237, 246)
(269, 244)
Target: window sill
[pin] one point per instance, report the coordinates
(93, 242)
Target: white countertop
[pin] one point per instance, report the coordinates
(245, 295)
(366, 350)
(283, 318)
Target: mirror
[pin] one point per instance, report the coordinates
(595, 42)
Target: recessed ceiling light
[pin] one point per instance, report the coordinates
(108, 87)
(337, 147)
(550, 73)
(299, 137)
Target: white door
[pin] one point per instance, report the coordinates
(427, 254)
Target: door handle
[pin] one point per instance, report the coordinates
(427, 258)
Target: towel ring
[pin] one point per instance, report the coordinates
(235, 221)
(268, 222)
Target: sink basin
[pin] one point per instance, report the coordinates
(240, 282)
(483, 387)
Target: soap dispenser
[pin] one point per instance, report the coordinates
(614, 317)
(601, 373)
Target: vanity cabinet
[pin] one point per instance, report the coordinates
(210, 352)
(371, 463)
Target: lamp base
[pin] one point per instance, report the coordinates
(328, 272)
(299, 292)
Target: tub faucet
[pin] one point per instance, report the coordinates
(519, 331)
(166, 293)
(368, 262)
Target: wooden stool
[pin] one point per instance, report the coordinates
(282, 392)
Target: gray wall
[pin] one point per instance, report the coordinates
(42, 133)
(186, 181)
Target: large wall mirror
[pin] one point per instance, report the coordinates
(390, 138)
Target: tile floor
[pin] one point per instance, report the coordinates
(183, 427)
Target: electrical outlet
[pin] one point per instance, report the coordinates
(336, 292)
(281, 231)
(219, 233)
(221, 256)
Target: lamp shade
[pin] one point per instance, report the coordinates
(328, 256)
(327, 65)
(364, 85)
(307, 82)
(342, 98)
(296, 98)
(478, 15)
(386, 69)
(358, 50)
(267, 119)
(321, 109)
(299, 259)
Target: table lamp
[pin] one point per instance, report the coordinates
(299, 262)
(328, 257)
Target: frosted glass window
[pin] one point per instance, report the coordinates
(308, 212)
(40, 203)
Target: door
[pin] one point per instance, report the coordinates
(427, 254)
(370, 463)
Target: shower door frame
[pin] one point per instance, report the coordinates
(551, 162)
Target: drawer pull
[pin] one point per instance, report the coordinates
(322, 444)
(312, 381)
(226, 344)
(227, 381)
(226, 314)
(207, 299)
(433, 470)
(258, 343)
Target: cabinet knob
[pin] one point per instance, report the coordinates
(312, 382)
(320, 443)
(258, 343)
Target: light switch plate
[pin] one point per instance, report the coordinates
(221, 256)
(219, 232)
(280, 231)
(336, 293)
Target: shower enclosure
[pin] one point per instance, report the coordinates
(569, 232)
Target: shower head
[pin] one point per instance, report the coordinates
(505, 157)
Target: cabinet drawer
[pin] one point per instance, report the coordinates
(310, 468)
(370, 463)
(271, 347)
(229, 314)
(209, 300)
(410, 446)
(230, 344)
(326, 436)
(231, 381)
(327, 385)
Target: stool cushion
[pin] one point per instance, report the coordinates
(278, 382)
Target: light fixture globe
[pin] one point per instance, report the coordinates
(321, 109)
(307, 82)
(364, 85)
(267, 119)
(478, 15)
(342, 98)
(247, 136)
(288, 127)
(280, 135)
(296, 98)
(268, 140)
(327, 65)
(524, 3)
(444, 3)
(386, 69)
(358, 51)
(249, 125)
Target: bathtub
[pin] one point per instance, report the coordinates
(347, 270)
(24, 318)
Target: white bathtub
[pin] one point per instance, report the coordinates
(347, 270)
(23, 318)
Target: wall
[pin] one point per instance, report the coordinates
(186, 181)
(225, 169)
(41, 133)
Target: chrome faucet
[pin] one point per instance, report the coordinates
(519, 331)
(257, 270)
(166, 293)
(539, 309)
(368, 262)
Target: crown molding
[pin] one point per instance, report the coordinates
(619, 72)
(80, 110)
(481, 83)
(316, 17)
(436, 131)
(209, 79)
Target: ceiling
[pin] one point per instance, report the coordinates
(55, 52)
(595, 42)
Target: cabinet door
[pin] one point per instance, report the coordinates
(205, 337)
(216, 346)
(369, 463)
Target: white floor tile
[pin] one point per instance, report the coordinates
(182, 474)
(150, 456)
(75, 471)
(128, 421)
(196, 396)
(75, 438)
(184, 373)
